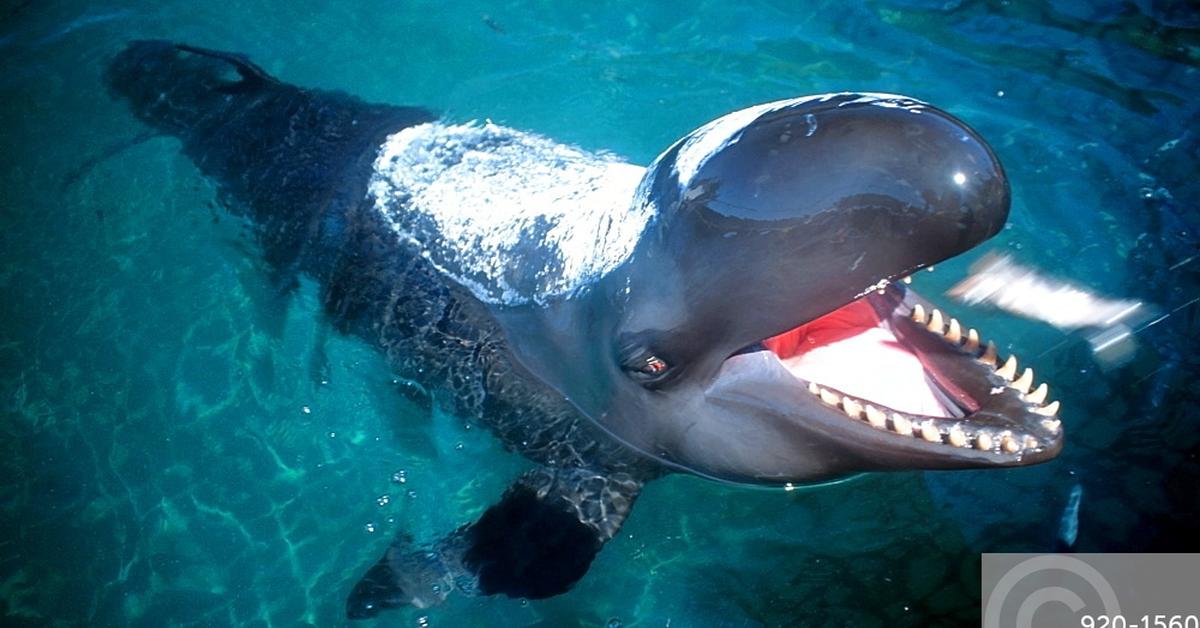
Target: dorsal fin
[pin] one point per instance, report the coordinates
(246, 68)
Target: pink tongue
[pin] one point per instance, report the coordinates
(847, 350)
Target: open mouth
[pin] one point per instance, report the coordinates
(893, 362)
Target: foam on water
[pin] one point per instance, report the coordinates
(513, 216)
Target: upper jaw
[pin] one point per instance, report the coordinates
(1005, 418)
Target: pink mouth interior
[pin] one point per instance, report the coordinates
(850, 350)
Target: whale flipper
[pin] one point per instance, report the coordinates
(536, 542)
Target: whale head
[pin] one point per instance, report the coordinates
(760, 332)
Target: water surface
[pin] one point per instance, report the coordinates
(183, 446)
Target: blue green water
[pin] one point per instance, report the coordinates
(179, 445)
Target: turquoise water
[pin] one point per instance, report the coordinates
(183, 446)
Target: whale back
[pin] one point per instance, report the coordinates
(303, 167)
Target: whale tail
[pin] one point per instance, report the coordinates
(178, 88)
(290, 159)
(257, 136)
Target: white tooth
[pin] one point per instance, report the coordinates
(936, 324)
(989, 354)
(876, 417)
(918, 313)
(1052, 424)
(972, 341)
(1009, 444)
(851, 408)
(814, 389)
(1049, 409)
(930, 269)
(901, 425)
(907, 279)
(1009, 370)
(983, 442)
(1039, 394)
(954, 334)
(829, 397)
(930, 433)
(1024, 381)
(1031, 442)
(957, 436)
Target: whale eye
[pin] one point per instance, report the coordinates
(645, 366)
(637, 355)
(653, 365)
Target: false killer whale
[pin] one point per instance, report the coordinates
(733, 310)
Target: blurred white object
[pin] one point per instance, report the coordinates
(999, 281)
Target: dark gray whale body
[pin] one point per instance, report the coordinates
(729, 311)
